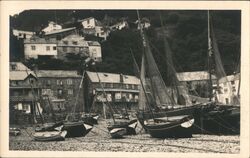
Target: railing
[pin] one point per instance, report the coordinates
(21, 98)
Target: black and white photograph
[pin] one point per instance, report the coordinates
(130, 80)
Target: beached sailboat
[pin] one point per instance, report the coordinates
(118, 127)
(223, 118)
(76, 126)
(154, 94)
(47, 131)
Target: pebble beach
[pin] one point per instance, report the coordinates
(98, 140)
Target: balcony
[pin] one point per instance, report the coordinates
(21, 98)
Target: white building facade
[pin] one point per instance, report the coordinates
(35, 47)
(23, 34)
(228, 89)
(95, 51)
(52, 26)
(89, 23)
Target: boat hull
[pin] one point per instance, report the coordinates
(130, 126)
(49, 127)
(174, 129)
(117, 133)
(77, 129)
(50, 136)
(209, 118)
(91, 119)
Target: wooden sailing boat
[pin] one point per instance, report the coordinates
(77, 127)
(160, 127)
(222, 119)
(47, 131)
(118, 127)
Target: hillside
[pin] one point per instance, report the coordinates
(186, 32)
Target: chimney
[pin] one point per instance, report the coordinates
(121, 78)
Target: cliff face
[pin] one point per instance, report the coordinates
(186, 32)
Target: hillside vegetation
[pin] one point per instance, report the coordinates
(186, 32)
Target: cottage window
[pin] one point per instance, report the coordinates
(136, 86)
(118, 96)
(225, 90)
(46, 92)
(232, 82)
(130, 86)
(87, 21)
(48, 82)
(116, 85)
(227, 100)
(74, 42)
(127, 86)
(70, 91)
(33, 47)
(233, 89)
(136, 97)
(60, 91)
(47, 48)
(31, 81)
(54, 48)
(59, 82)
(65, 42)
(109, 85)
(69, 81)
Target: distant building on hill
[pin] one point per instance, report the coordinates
(122, 91)
(94, 27)
(52, 26)
(20, 34)
(35, 47)
(145, 23)
(60, 34)
(119, 26)
(72, 45)
(95, 51)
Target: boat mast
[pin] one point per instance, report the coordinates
(142, 81)
(209, 58)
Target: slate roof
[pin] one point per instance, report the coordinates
(57, 74)
(112, 78)
(20, 75)
(59, 31)
(229, 78)
(93, 43)
(73, 38)
(194, 76)
(18, 66)
(37, 40)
